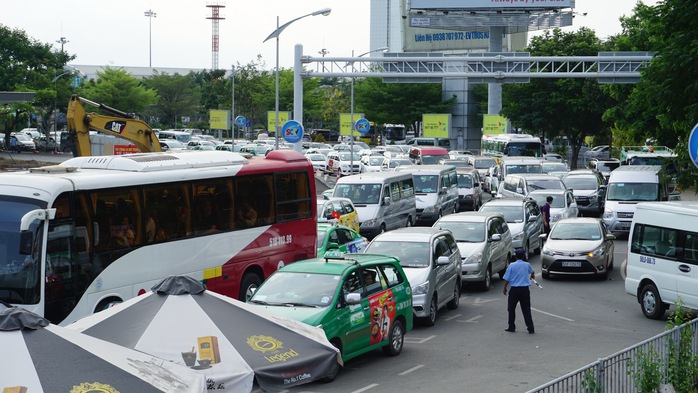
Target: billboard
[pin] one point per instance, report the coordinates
(495, 124)
(489, 4)
(345, 123)
(284, 116)
(218, 119)
(436, 125)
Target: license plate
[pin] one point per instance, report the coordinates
(625, 225)
(571, 264)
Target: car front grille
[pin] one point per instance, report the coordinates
(625, 215)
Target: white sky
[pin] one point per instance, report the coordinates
(116, 32)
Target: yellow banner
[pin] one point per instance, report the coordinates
(345, 123)
(218, 119)
(436, 125)
(283, 118)
(494, 124)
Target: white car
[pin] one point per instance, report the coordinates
(563, 206)
(318, 160)
(372, 163)
(390, 164)
(344, 163)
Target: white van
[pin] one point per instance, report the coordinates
(513, 165)
(627, 186)
(384, 200)
(180, 136)
(436, 190)
(662, 263)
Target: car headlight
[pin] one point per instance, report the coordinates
(547, 251)
(369, 223)
(597, 253)
(421, 289)
(475, 258)
(608, 214)
(469, 196)
(555, 217)
(430, 209)
(518, 236)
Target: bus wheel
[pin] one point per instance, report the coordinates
(249, 283)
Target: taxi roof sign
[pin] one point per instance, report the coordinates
(334, 255)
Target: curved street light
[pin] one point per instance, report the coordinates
(275, 34)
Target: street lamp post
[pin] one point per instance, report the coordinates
(232, 113)
(150, 14)
(275, 34)
(351, 116)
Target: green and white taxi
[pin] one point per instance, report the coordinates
(339, 238)
(362, 301)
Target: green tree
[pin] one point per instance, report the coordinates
(27, 65)
(398, 103)
(120, 90)
(664, 105)
(566, 107)
(177, 95)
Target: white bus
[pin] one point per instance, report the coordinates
(94, 231)
(511, 145)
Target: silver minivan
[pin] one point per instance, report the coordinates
(384, 200)
(436, 190)
(432, 264)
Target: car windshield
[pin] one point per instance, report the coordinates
(546, 184)
(512, 214)
(558, 200)
(465, 181)
(316, 157)
(575, 231)
(467, 232)
(484, 163)
(554, 167)
(375, 161)
(360, 194)
(347, 156)
(297, 289)
(511, 169)
(411, 255)
(581, 182)
(424, 184)
(397, 163)
(428, 160)
(632, 192)
(607, 166)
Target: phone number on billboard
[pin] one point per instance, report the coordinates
(452, 36)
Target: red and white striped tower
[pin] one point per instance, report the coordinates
(215, 17)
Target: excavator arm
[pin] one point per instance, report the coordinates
(122, 125)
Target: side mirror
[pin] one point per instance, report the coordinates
(352, 298)
(386, 201)
(519, 190)
(543, 236)
(332, 246)
(443, 190)
(442, 260)
(26, 241)
(532, 218)
(496, 237)
(610, 237)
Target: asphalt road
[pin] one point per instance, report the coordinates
(578, 320)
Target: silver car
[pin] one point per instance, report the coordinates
(484, 242)
(578, 246)
(563, 206)
(432, 263)
(524, 219)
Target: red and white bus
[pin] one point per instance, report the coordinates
(94, 231)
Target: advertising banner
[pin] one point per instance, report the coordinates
(495, 124)
(436, 125)
(488, 4)
(345, 122)
(219, 119)
(284, 116)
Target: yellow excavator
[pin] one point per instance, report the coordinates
(121, 124)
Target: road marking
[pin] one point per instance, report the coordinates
(412, 369)
(365, 388)
(552, 315)
(479, 301)
(473, 319)
(452, 317)
(413, 340)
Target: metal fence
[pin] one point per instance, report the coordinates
(617, 373)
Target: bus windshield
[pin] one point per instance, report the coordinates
(528, 149)
(19, 274)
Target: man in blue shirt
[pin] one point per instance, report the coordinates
(518, 276)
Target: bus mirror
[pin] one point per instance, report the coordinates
(26, 241)
(38, 214)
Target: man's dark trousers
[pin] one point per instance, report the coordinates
(520, 295)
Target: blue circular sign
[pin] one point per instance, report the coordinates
(693, 145)
(362, 125)
(240, 121)
(292, 131)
